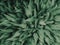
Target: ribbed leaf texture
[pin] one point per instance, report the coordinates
(29, 22)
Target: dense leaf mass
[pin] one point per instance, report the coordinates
(29, 22)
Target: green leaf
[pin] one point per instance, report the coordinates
(35, 38)
(28, 10)
(57, 18)
(13, 38)
(9, 18)
(5, 22)
(56, 12)
(47, 40)
(55, 27)
(41, 36)
(6, 30)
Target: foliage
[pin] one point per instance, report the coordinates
(29, 22)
